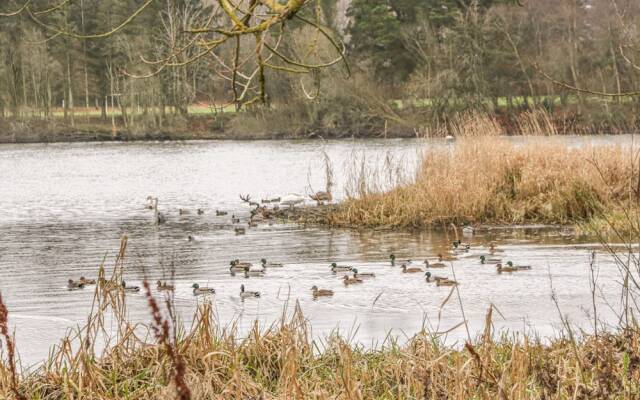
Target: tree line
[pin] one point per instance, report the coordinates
(424, 58)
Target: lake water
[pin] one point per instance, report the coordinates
(64, 206)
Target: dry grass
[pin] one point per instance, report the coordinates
(283, 363)
(485, 178)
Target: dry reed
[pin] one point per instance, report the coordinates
(488, 179)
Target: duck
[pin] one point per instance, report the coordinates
(129, 288)
(164, 286)
(197, 290)
(239, 230)
(291, 200)
(468, 230)
(200, 211)
(234, 219)
(182, 211)
(459, 246)
(237, 266)
(485, 260)
(266, 264)
(357, 274)
(321, 292)
(427, 264)
(220, 213)
(340, 268)
(191, 238)
(446, 282)
(149, 203)
(434, 278)
(252, 224)
(510, 264)
(393, 259)
(321, 197)
(502, 269)
(245, 294)
(73, 285)
(256, 272)
(86, 281)
(350, 281)
(406, 270)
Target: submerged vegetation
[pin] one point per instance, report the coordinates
(485, 178)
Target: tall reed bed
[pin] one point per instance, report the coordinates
(487, 178)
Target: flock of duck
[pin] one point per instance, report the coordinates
(352, 275)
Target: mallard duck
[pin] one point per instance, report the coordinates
(129, 288)
(510, 264)
(459, 246)
(434, 278)
(197, 290)
(265, 264)
(321, 292)
(200, 211)
(406, 270)
(393, 259)
(73, 285)
(485, 260)
(350, 281)
(236, 268)
(239, 231)
(86, 281)
(427, 264)
(245, 294)
(502, 269)
(234, 219)
(242, 264)
(321, 197)
(164, 286)
(256, 272)
(149, 202)
(191, 238)
(446, 282)
(182, 211)
(220, 213)
(357, 274)
(340, 268)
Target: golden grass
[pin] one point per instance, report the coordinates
(489, 179)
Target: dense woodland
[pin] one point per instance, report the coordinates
(410, 64)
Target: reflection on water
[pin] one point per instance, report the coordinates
(66, 206)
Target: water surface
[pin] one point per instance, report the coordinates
(65, 206)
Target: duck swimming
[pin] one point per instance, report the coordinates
(340, 268)
(446, 282)
(129, 288)
(510, 264)
(502, 269)
(256, 272)
(86, 281)
(406, 270)
(357, 274)
(393, 259)
(350, 281)
(321, 292)
(427, 264)
(485, 260)
(266, 264)
(239, 231)
(73, 285)
(197, 290)
(434, 278)
(246, 294)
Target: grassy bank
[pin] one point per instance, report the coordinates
(487, 179)
(341, 117)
